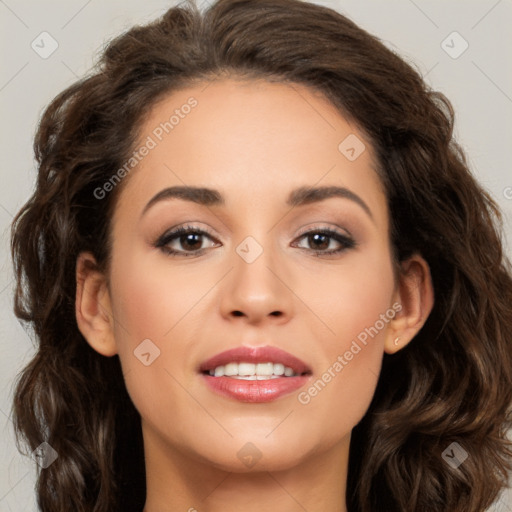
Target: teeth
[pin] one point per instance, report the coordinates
(279, 369)
(288, 372)
(252, 371)
(246, 369)
(231, 369)
(264, 369)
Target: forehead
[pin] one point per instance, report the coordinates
(254, 141)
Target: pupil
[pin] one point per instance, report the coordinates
(316, 238)
(189, 240)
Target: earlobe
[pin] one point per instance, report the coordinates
(92, 306)
(415, 294)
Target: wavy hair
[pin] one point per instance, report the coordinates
(452, 383)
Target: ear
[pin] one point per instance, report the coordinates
(92, 306)
(415, 294)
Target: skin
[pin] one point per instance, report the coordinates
(254, 142)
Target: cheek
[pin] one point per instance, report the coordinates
(151, 298)
(357, 308)
(354, 297)
(156, 311)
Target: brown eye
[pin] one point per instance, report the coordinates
(320, 240)
(183, 241)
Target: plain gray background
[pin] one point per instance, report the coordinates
(478, 81)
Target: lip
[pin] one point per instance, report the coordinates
(255, 391)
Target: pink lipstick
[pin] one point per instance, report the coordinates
(254, 374)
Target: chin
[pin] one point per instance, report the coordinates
(263, 461)
(255, 453)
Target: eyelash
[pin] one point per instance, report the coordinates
(162, 243)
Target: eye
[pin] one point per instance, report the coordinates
(189, 238)
(188, 241)
(322, 239)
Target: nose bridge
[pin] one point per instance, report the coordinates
(253, 261)
(256, 288)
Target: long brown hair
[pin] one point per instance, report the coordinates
(451, 384)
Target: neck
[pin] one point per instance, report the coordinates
(176, 481)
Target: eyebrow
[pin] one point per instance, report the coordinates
(298, 197)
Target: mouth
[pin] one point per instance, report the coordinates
(254, 374)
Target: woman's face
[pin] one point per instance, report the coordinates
(254, 271)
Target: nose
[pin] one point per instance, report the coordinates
(258, 291)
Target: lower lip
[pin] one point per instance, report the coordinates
(255, 391)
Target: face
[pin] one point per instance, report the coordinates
(264, 261)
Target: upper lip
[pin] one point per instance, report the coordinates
(256, 355)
